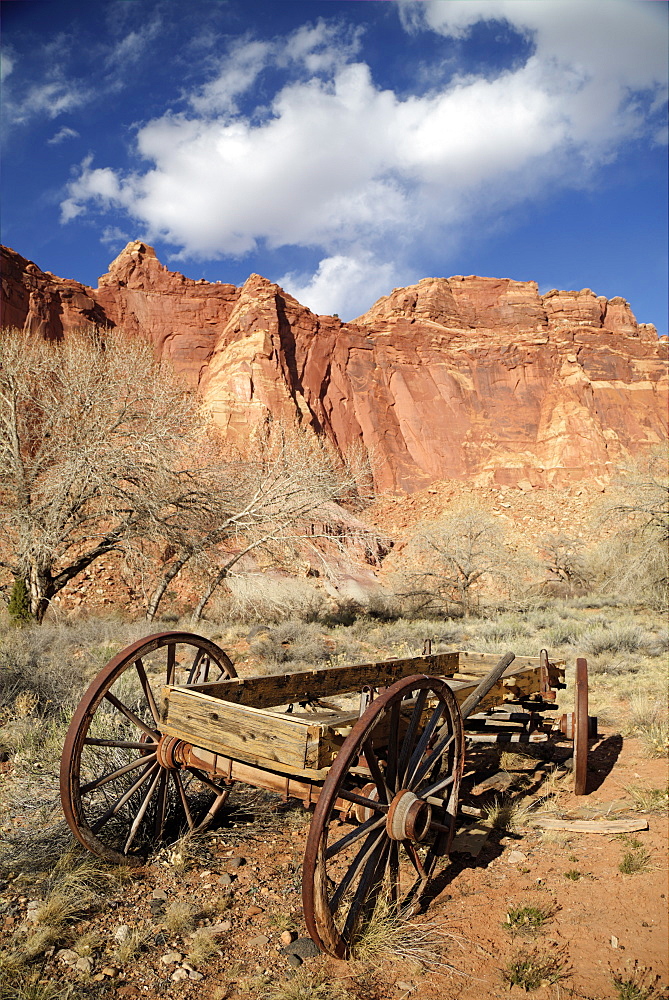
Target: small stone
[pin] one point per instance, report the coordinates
(195, 975)
(403, 986)
(294, 961)
(515, 857)
(84, 965)
(68, 956)
(225, 879)
(259, 941)
(304, 947)
(253, 911)
(178, 975)
(234, 862)
(98, 977)
(159, 895)
(171, 957)
(109, 971)
(287, 937)
(221, 928)
(122, 933)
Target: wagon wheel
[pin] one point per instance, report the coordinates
(410, 742)
(581, 727)
(120, 786)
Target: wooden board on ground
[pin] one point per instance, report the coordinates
(591, 825)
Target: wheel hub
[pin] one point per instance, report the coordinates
(169, 752)
(409, 817)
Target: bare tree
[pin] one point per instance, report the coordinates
(95, 445)
(102, 448)
(274, 495)
(634, 563)
(563, 560)
(447, 561)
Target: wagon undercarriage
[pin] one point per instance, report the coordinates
(378, 750)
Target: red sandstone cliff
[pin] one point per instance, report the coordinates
(465, 377)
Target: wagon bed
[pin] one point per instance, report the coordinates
(377, 749)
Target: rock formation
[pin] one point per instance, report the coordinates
(462, 378)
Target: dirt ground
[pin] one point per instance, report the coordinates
(599, 922)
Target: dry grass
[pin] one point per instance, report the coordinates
(202, 946)
(131, 946)
(636, 982)
(179, 917)
(305, 984)
(532, 968)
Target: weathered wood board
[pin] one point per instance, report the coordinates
(304, 685)
(241, 730)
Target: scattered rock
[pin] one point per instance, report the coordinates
(220, 928)
(171, 957)
(84, 965)
(159, 895)
(404, 986)
(178, 975)
(109, 971)
(195, 975)
(287, 937)
(254, 911)
(122, 933)
(67, 956)
(259, 941)
(515, 857)
(225, 879)
(234, 862)
(294, 961)
(304, 947)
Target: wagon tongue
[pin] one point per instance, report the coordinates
(479, 693)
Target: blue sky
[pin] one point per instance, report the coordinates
(342, 147)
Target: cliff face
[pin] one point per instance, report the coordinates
(466, 377)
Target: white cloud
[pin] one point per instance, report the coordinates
(6, 64)
(62, 134)
(356, 279)
(363, 175)
(238, 72)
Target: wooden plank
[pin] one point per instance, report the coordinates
(243, 731)
(591, 825)
(304, 685)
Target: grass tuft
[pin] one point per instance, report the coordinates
(531, 969)
(527, 919)
(202, 946)
(637, 983)
(636, 858)
(179, 917)
(306, 985)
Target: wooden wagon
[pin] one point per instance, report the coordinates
(377, 749)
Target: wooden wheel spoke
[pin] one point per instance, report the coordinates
(368, 887)
(130, 715)
(394, 871)
(414, 857)
(161, 805)
(437, 786)
(393, 740)
(409, 736)
(146, 688)
(206, 780)
(121, 801)
(375, 771)
(432, 759)
(350, 838)
(149, 758)
(422, 744)
(362, 800)
(91, 741)
(171, 663)
(141, 813)
(184, 799)
(363, 855)
(193, 672)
